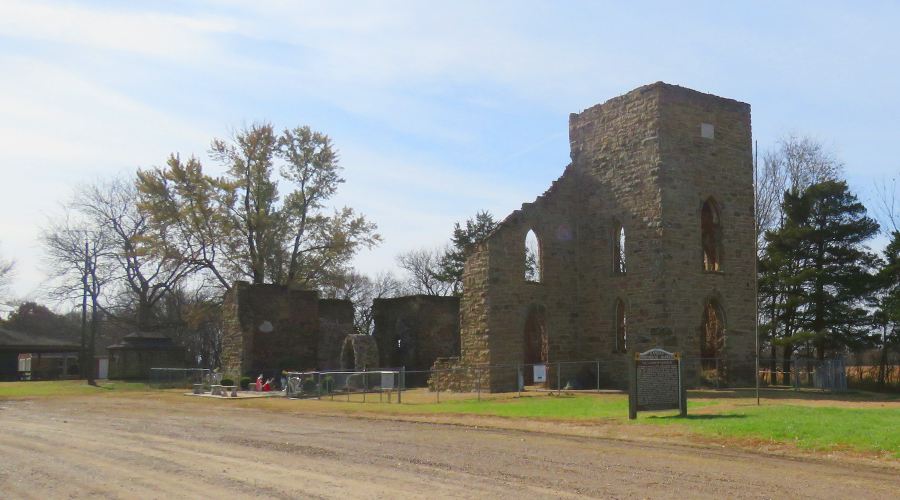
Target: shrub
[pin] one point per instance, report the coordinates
(245, 383)
(227, 381)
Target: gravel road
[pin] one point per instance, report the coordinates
(154, 448)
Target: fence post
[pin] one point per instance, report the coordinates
(400, 384)
(598, 377)
(718, 373)
(520, 380)
(478, 382)
(558, 378)
(437, 385)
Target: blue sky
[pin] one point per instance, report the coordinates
(438, 110)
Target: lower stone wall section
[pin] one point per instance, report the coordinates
(414, 331)
(449, 374)
(360, 352)
(269, 328)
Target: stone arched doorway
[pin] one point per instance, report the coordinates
(536, 345)
(712, 342)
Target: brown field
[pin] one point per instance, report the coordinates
(165, 445)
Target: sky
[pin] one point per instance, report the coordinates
(438, 110)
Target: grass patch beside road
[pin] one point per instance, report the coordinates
(821, 428)
(51, 388)
(856, 421)
(568, 407)
(808, 424)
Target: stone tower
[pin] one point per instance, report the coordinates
(647, 240)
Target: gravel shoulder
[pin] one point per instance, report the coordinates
(127, 447)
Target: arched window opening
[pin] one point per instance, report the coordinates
(619, 249)
(536, 342)
(621, 327)
(712, 341)
(348, 357)
(532, 257)
(711, 236)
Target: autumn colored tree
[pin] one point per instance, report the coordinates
(239, 226)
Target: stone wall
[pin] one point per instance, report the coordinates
(335, 323)
(640, 162)
(449, 374)
(269, 328)
(359, 352)
(414, 331)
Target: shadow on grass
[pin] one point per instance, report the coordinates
(791, 393)
(713, 416)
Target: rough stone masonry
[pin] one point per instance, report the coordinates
(270, 328)
(646, 240)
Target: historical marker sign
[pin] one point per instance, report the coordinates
(656, 383)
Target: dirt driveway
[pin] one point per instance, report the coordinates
(149, 447)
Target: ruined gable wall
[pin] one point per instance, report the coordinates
(335, 323)
(695, 168)
(269, 328)
(497, 297)
(636, 161)
(426, 326)
(616, 148)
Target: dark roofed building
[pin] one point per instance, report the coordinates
(13, 344)
(138, 352)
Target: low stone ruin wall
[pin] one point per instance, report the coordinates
(449, 374)
(359, 352)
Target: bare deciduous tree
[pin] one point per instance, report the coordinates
(6, 274)
(78, 255)
(424, 272)
(886, 210)
(795, 164)
(141, 273)
(362, 291)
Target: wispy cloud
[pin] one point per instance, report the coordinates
(143, 32)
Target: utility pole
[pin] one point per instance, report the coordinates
(92, 339)
(84, 293)
(756, 266)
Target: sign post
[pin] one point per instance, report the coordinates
(656, 382)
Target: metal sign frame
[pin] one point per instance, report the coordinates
(653, 355)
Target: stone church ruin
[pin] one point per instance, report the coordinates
(645, 241)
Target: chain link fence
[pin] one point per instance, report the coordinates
(475, 381)
(182, 378)
(386, 385)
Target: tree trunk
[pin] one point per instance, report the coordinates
(82, 363)
(786, 364)
(92, 343)
(773, 365)
(144, 315)
(773, 348)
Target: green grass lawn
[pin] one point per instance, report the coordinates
(19, 390)
(810, 427)
(550, 407)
